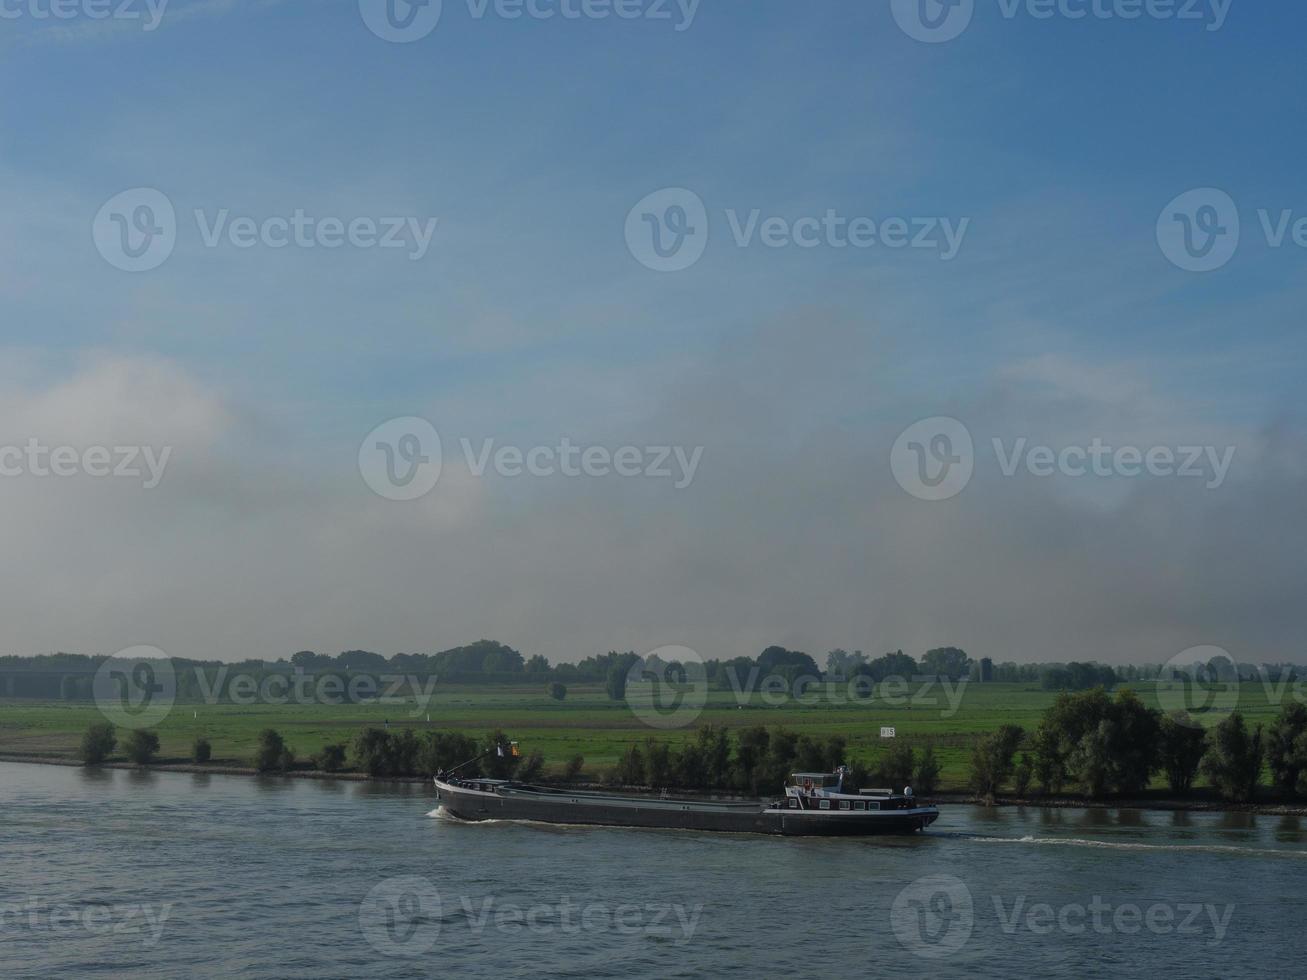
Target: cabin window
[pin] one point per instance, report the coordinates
(824, 804)
(872, 806)
(794, 804)
(859, 805)
(844, 804)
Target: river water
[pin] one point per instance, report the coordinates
(117, 873)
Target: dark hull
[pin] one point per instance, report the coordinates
(615, 811)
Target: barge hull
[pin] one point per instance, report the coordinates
(679, 815)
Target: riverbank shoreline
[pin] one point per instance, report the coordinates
(1048, 803)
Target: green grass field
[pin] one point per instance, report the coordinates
(586, 723)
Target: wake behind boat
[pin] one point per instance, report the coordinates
(814, 804)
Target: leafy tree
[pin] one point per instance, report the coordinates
(1286, 749)
(926, 777)
(537, 664)
(991, 761)
(1233, 764)
(373, 752)
(98, 743)
(331, 758)
(616, 683)
(659, 765)
(630, 769)
(201, 751)
(1181, 744)
(896, 766)
(787, 663)
(141, 746)
(1097, 742)
(1022, 775)
(557, 691)
(271, 753)
(442, 751)
(947, 662)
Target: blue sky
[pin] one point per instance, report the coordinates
(1060, 141)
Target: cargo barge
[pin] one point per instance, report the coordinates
(814, 805)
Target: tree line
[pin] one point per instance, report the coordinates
(487, 661)
(1114, 746)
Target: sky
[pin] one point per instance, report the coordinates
(882, 331)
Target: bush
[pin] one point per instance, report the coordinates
(201, 751)
(98, 743)
(141, 746)
(272, 753)
(926, 777)
(374, 752)
(531, 768)
(1233, 764)
(630, 769)
(331, 758)
(1181, 744)
(573, 769)
(557, 691)
(991, 762)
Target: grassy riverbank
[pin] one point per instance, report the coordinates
(586, 723)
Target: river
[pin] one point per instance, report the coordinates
(142, 874)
